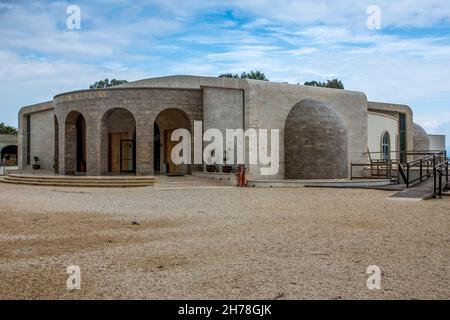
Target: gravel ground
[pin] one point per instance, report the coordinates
(198, 241)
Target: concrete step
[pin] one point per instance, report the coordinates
(50, 184)
(80, 181)
(80, 178)
(85, 182)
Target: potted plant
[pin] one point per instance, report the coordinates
(36, 165)
(211, 167)
(226, 168)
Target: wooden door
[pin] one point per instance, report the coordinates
(127, 155)
(114, 151)
(168, 146)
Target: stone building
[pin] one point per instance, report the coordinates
(126, 129)
(8, 149)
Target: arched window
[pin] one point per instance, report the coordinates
(386, 146)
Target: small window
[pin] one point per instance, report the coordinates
(386, 146)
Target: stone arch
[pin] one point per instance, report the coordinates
(9, 154)
(118, 142)
(75, 143)
(165, 122)
(315, 142)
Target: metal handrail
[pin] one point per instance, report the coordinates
(428, 163)
(378, 169)
(393, 155)
(431, 164)
(439, 171)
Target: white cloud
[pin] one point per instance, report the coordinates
(32, 80)
(292, 41)
(399, 13)
(41, 29)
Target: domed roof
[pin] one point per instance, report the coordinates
(420, 139)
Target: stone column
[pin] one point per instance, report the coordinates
(93, 145)
(68, 151)
(144, 146)
(61, 143)
(22, 143)
(195, 167)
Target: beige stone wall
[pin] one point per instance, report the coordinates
(394, 110)
(223, 109)
(220, 103)
(42, 136)
(437, 142)
(143, 103)
(378, 124)
(315, 143)
(269, 104)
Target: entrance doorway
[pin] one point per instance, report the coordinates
(118, 142)
(172, 169)
(9, 155)
(81, 144)
(165, 123)
(75, 144)
(121, 153)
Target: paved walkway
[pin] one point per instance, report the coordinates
(422, 190)
(187, 182)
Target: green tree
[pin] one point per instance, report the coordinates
(335, 84)
(255, 75)
(229, 75)
(4, 129)
(106, 83)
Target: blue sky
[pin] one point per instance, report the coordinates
(406, 61)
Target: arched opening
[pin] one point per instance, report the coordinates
(118, 153)
(315, 142)
(75, 143)
(165, 123)
(9, 155)
(386, 146)
(56, 147)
